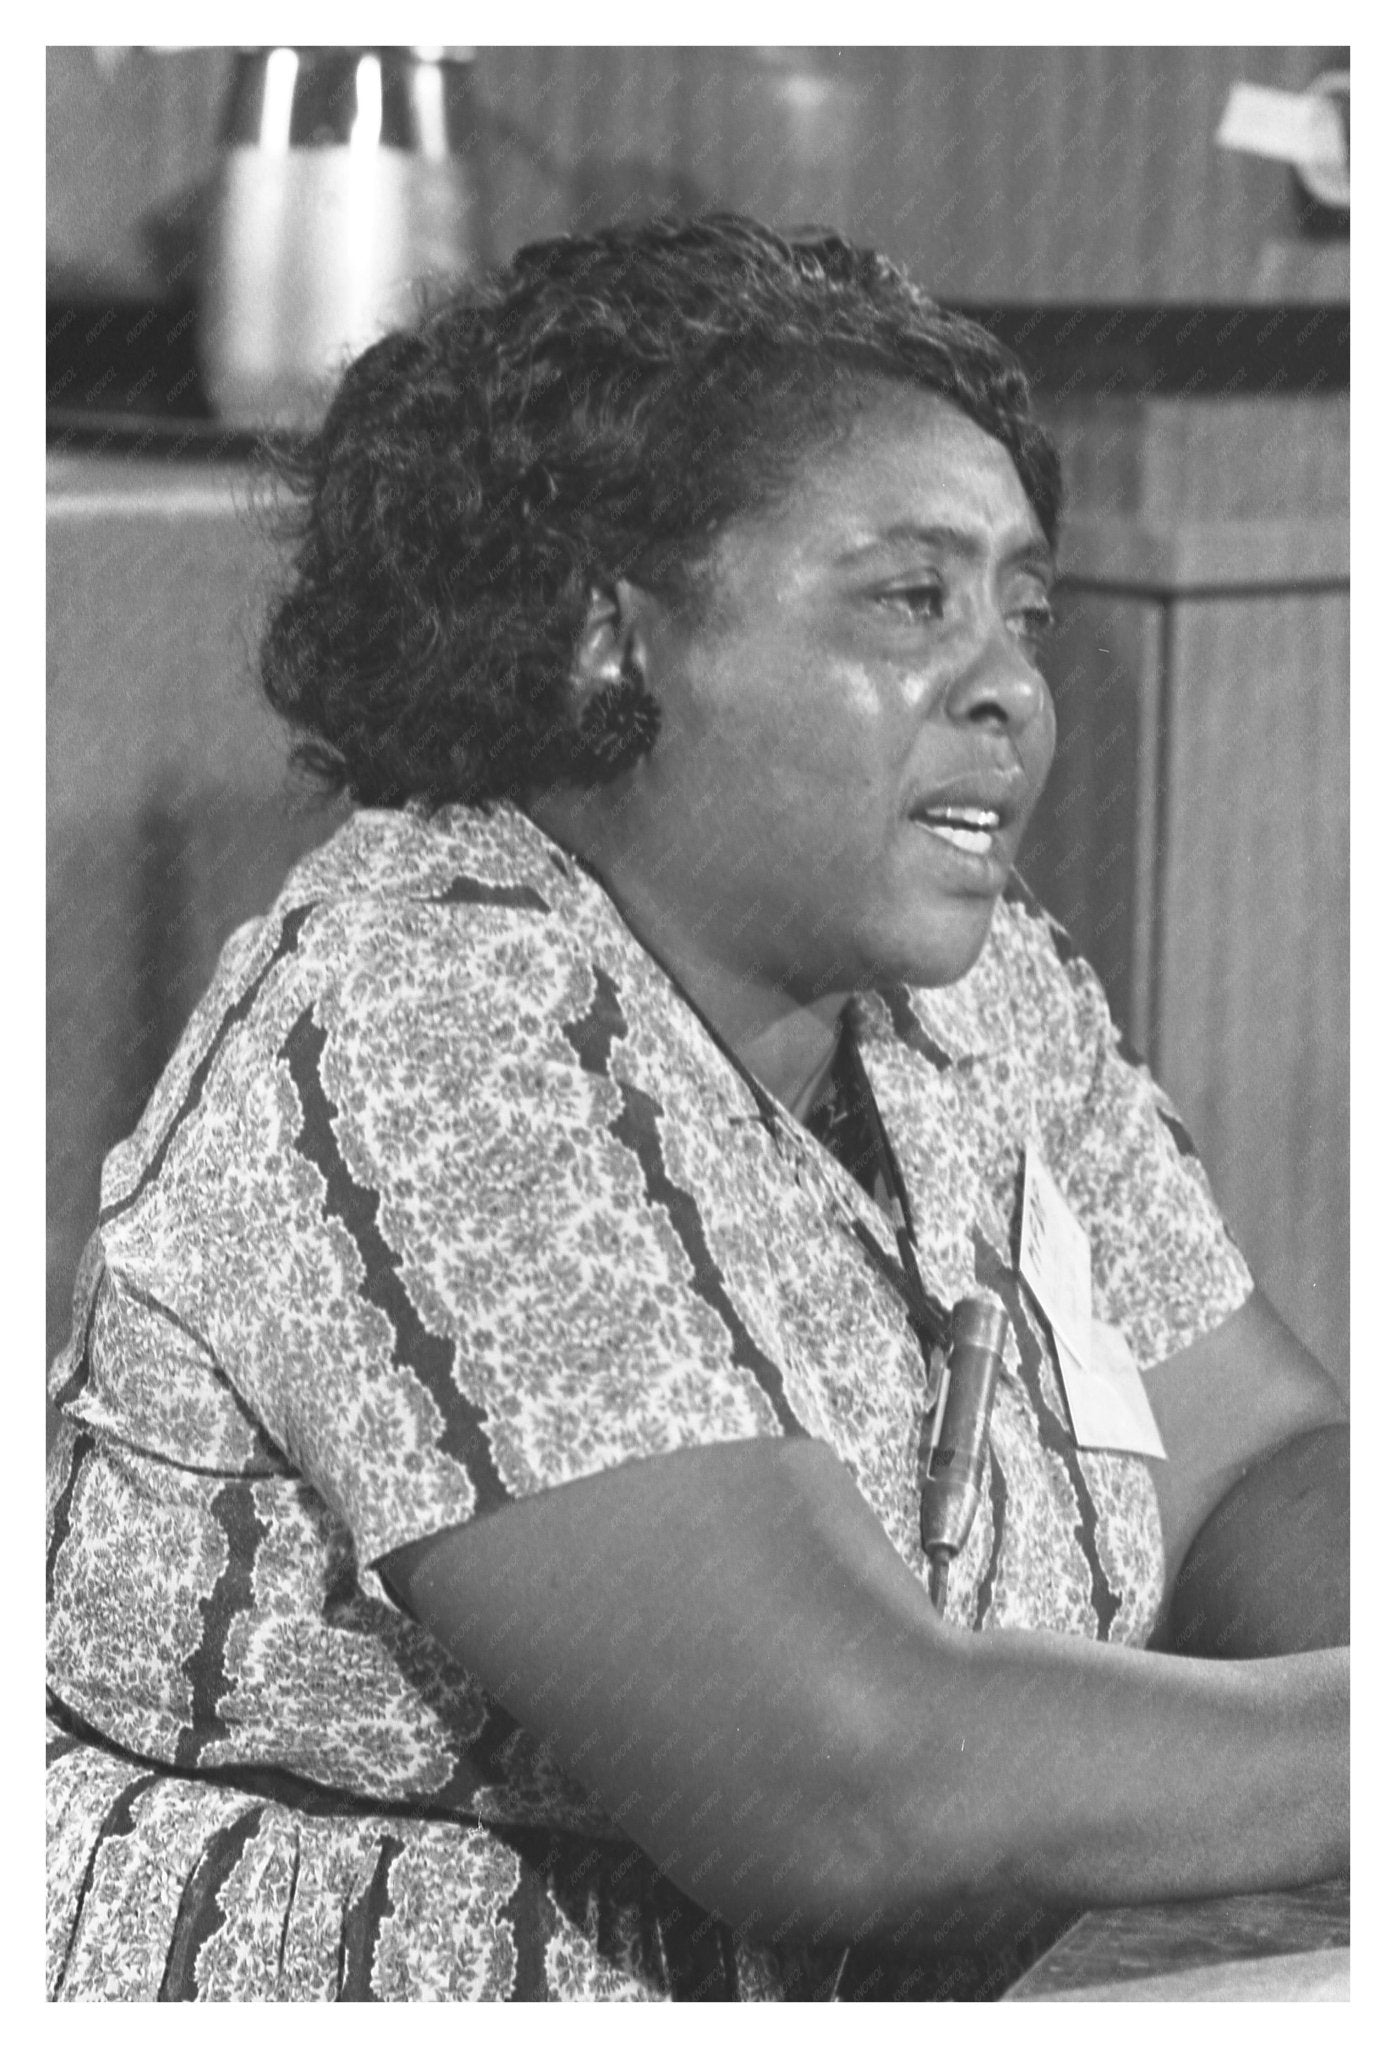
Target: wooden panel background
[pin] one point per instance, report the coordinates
(1085, 855)
(1253, 983)
(1194, 835)
(995, 174)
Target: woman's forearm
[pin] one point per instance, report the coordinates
(724, 1646)
(1057, 1773)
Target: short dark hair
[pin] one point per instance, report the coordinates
(600, 407)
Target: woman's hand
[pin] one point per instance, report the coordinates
(723, 1644)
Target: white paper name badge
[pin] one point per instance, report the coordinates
(1104, 1388)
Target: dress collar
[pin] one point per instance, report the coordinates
(968, 1019)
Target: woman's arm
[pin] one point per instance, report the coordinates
(1267, 1573)
(1254, 1492)
(724, 1645)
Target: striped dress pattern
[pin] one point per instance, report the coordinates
(448, 1196)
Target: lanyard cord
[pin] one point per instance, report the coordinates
(860, 1120)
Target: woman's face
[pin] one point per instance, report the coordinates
(856, 731)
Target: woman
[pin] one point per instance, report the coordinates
(485, 1554)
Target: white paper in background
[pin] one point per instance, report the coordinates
(1106, 1395)
(1300, 128)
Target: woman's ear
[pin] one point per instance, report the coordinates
(612, 643)
(617, 718)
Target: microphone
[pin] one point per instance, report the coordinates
(960, 1447)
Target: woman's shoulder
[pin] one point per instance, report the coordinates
(452, 935)
(454, 856)
(418, 905)
(1039, 974)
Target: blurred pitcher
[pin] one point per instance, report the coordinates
(347, 176)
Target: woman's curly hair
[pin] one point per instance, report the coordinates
(600, 407)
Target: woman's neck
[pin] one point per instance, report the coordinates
(787, 1042)
(788, 1045)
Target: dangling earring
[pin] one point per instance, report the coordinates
(617, 728)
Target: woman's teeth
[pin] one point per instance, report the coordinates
(968, 839)
(971, 831)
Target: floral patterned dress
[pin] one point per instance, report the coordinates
(448, 1196)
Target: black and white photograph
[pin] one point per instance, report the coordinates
(697, 976)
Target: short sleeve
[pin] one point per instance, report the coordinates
(460, 1267)
(1166, 1269)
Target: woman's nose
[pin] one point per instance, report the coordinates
(1000, 688)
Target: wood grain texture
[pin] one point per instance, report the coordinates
(1138, 1951)
(1229, 660)
(1089, 853)
(1253, 985)
(994, 174)
(1200, 557)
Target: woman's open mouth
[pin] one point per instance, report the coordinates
(966, 827)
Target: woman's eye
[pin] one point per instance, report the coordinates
(926, 600)
(1034, 624)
